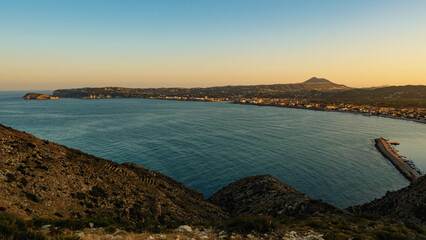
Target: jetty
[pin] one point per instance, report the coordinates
(404, 166)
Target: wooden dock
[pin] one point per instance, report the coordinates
(390, 153)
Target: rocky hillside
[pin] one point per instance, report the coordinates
(266, 195)
(405, 204)
(41, 179)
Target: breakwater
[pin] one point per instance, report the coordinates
(404, 166)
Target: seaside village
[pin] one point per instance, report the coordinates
(413, 113)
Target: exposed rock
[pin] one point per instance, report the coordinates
(184, 228)
(266, 195)
(41, 179)
(407, 204)
(38, 96)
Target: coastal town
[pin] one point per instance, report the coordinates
(408, 113)
(399, 102)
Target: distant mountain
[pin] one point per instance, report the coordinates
(268, 196)
(317, 80)
(407, 204)
(312, 84)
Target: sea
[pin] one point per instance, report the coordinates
(206, 145)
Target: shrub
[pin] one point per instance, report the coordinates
(10, 177)
(98, 192)
(384, 235)
(23, 181)
(13, 228)
(80, 196)
(247, 224)
(414, 226)
(31, 197)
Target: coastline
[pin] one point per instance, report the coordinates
(364, 110)
(335, 110)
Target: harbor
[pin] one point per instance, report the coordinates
(405, 166)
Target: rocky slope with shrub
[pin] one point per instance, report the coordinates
(41, 179)
(49, 190)
(406, 204)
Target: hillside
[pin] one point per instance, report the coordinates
(265, 195)
(393, 96)
(41, 179)
(317, 90)
(47, 184)
(313, 84)
(407, 204)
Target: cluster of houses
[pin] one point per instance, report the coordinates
(418, 114)
(187, 98)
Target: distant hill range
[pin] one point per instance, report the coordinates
(313, 84)
(316, 89)
(41, 179)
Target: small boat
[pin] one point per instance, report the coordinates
(394, 143)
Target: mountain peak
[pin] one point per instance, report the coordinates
(317, 80)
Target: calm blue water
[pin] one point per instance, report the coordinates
(329, 156)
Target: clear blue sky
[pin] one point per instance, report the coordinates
(71, 43)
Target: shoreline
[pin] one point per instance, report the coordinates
(339, 111)
(230, 100)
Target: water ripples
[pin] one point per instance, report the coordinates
(330, 156)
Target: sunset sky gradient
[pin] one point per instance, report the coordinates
(199, 43)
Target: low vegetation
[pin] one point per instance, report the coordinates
(331, 227)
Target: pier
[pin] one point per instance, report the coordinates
(404, 166)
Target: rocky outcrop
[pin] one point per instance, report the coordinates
(38, 96)
(407, 204)
(266, 195)
(41, 179)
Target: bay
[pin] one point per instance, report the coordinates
(327, 155)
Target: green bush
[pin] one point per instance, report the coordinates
(13, 228)
(414, 226)
(31, 197)
(384, 235)
(101, 220)
(10, 177)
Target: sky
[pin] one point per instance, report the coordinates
(51, 44)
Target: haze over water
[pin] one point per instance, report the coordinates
(327, 155)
